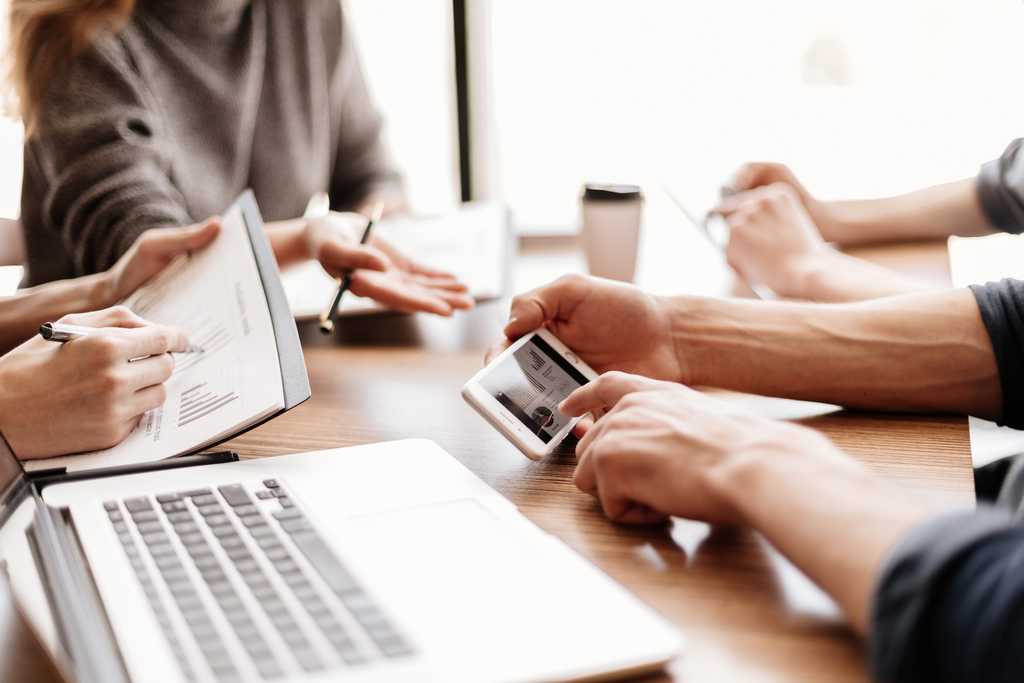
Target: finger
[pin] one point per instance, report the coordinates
(641, 515)
(496, 350)
(115, 316)
(339, 258)
(174, 241)
(601, 394)
(147, 399)
(609, 493)
(545, 304)
(456, 300)
(151, 371)
(581, 428)
(398, 296)
(585, 477)
(446, 282)
(430, 271)
(153, 340)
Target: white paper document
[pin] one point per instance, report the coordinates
(977, 260)
(471, 243)
(216, 297)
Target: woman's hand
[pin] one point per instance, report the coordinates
(85, 395)
(660, 449)
(610, 325)
(151, 253)
(378, 270)
(772, 240)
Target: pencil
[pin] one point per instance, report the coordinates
(344, 282)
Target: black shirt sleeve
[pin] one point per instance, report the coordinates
(949, 607)
(1000, 187)
(1002, 311)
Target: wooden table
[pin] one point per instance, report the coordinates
(746, 613)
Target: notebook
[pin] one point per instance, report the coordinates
(228, 299)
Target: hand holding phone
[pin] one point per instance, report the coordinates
(520, 390)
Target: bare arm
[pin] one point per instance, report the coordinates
(660, 449)
(931, 213)
(771, 494)
(22, 314)
(921, 352)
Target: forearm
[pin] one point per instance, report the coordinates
(22, 314)
(931, 213)
(834, 277)
(922, 352)
(771, 493)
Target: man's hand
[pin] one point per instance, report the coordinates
(85, 395)
(379, 270)
(772, 240)
(661, 449)
(755, 174)
(610, 325)
(152, 252)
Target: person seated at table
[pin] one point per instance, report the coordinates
(939, 593)
(85, 395)
(148, 113)
(779, 229)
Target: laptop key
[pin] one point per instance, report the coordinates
(110, 505)
(235, 495)
(288, 513)
(195, 492)
(168, 498)
(246, 510)
(271, 483)
(264, 494)
(286, 502)
(205, 499)
(144, 516)
(138, 504)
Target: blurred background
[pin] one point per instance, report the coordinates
(862, 99)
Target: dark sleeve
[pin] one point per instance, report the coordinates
(362, 162)
(1002, 311)
(1000, 186)
(100, 175)
(949, 606)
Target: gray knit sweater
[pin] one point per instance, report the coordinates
(191, 103)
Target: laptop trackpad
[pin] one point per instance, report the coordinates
(478, 591)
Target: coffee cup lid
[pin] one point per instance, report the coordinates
(611, 192)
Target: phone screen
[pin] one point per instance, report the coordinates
(531, 383)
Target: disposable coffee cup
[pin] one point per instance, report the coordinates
(610, 229)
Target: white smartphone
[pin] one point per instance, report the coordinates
(519, 392)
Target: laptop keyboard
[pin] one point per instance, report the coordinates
(257, 591)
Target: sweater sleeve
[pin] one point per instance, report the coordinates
(949, 606)
(1002, 312)
(362, 162)
(96, 172)
(1000, 187)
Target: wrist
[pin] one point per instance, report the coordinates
(751, 480)
(696, 328)
(101, 292)
(290, 241)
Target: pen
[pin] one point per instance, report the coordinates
(61, 332)
(327, 317)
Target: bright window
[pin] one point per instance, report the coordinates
(862, 98)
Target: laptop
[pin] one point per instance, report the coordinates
(387, 562)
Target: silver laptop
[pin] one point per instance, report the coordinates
(388, 562)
